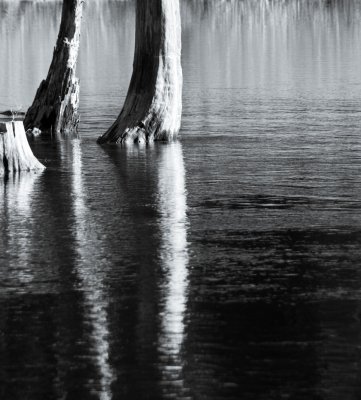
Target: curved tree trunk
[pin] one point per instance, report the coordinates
(15, 152)
(55, 107)
(153, 106)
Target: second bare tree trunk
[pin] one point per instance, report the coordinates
(153, 106)
(55, 107)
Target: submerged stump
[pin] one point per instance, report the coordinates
(15, 152)
(153, 106)
(55, 107)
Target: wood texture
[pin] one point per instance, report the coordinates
(55, 107)
(15, 152)
(153, 106)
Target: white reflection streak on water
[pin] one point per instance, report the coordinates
(174, 255)
(92, 286)
(18, 194)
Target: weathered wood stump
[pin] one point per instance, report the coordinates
(153, 106)
(15, 152)
(55, 107)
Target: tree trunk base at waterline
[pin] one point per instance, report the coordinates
(153, 105)
(15, 152)
(55, 106)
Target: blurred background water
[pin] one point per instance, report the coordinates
(223, 266)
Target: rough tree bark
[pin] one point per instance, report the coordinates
(153, 106)
(55, 107)
(15, 152)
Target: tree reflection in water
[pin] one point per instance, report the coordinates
(91, 276)
(174, 259)
(16, 208)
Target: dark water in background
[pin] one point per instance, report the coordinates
(224, 266)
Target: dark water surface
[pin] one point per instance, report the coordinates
(223, 266)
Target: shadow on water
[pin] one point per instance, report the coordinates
(106, 305)
(154, 202)
(106, 293)
(41, 322)
(225, 267)
(274, 284)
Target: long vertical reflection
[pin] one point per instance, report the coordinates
(91, 279)
(174, 258)
(17, 220)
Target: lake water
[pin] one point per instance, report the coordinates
(223, 266)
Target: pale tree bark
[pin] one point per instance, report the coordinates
(55, 107)
(15, 152)
(153, 106)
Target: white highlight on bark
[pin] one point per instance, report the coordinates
(56, 103)
(75, 41)
(167, 102)
(15, 152)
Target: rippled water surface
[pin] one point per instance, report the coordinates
(223, 266)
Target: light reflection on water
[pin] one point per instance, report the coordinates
(16, 205)
(174, 259)
(91, 276)
(227, 266)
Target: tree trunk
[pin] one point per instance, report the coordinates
(15, 152)
(153, 106)
(55, 107)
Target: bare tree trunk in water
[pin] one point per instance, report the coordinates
(153, 106)
(55, 107)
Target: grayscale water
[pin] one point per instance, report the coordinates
(223, 266)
